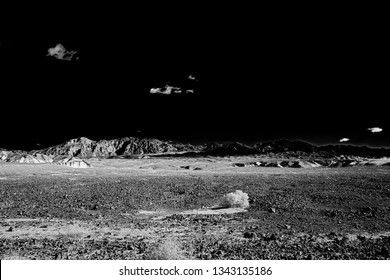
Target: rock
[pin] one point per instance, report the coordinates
(93, 207)
(249, 234)
(272, 164)
(272, 210)
(271, 237)
(385, 252)
(288, 226)
(361, 237)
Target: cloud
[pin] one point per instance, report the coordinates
(375, 129)
(158, 90)
(61, 53)
(344, 140)
(167, 90)
(191, 77)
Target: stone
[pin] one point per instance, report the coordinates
(250, 234)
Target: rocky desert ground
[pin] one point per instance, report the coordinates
(168, 208)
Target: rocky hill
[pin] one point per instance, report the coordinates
(292, 148)
(84, 148)
(228, 149)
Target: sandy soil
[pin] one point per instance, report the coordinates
(122, 209)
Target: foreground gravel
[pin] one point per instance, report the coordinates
(328, 214)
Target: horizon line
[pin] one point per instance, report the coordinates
(222, 142)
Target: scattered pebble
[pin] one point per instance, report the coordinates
(273, 237)
(250, 234)
(94, 207)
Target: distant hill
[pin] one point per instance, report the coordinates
(284, 147)
(85, 148)
(136, 147)
(302, 148)
(227, 149)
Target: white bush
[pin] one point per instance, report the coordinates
(235, 199)
(169, 250)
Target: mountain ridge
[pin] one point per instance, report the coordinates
(83, 147)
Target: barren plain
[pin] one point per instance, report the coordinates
(126, 208)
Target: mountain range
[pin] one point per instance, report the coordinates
(133, 147)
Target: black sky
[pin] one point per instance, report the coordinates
(314, 79)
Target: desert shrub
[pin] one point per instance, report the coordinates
(235, 199)
(168, 250)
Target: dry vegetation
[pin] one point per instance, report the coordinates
(169, 249)
(235, 199)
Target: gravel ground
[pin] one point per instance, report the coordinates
(322, 214)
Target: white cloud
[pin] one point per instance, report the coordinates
(61, 53)
(375, 129)
(344, 140)
(155, 90)
(165, 90)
